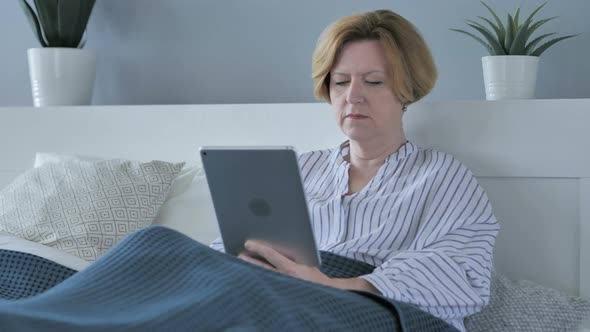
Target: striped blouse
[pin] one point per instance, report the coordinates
(422, 220)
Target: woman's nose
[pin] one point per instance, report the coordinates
(355, 93)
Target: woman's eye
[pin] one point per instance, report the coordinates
(341, 83)
(374, 82)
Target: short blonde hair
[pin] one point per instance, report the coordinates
(411, 65)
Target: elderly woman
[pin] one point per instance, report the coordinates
(407, 232)
(417, 215)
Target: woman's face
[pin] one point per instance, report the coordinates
(360, 93)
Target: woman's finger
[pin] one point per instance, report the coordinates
(255, 261)
(275, 258)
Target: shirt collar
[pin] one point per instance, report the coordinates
(405, 150)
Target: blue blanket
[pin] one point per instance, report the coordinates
(159, 279)
(24, 275)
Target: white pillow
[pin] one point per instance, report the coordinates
(181, 183)
(191, 212)
(42, 158)
(188, 207)
(85, 208)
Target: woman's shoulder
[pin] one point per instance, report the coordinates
(439, 160)
(315, 154)
(433, 153)
(314, 161)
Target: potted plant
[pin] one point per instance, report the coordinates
(61, 72)
(510, 72)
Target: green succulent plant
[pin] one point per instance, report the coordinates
(513, 37)
(59, 23)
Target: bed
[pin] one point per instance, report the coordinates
(530, 156)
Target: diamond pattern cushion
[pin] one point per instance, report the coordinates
(526, 306)
(82, 207)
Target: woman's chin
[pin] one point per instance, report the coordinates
(358, 135)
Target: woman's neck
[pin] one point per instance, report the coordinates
(369, 155)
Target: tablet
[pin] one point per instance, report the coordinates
(258, 194)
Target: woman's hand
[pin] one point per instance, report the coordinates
(277, 262)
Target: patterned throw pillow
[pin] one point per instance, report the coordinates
(85, 208)
(526, 306)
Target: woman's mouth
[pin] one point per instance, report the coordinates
(356, 116)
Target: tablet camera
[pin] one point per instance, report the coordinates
(259, 207)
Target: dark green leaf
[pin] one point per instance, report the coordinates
(530, 18)
(523, 33)
(520, 38)
(512, 38)
(498, 20)
(516, 17)
(496, 47)
(63, 22)
(73, 19)
(536, 25)
(84, 17)
(499, 33)
(509, 34)
(47, 10)
(33, 21)
(488, 48)
(548, 44)
(535, 41)
(472, 23)
(492, 24)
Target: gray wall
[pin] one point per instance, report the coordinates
(259, 51)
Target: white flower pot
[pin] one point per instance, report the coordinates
(510, 76)
(61, 76)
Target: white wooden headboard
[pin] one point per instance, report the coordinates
(532, 158)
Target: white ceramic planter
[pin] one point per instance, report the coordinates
(510, 76)
(61, 76)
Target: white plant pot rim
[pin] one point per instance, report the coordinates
(511, 56)
(60, 49)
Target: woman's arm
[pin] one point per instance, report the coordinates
(354, 284)
(446, 269)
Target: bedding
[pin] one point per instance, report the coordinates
(13, 243)
(526, 306)
(188, 207)
(514, 306)
(24, 275)
(160, 279)
(83, 207)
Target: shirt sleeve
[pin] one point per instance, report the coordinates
(446, 269)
